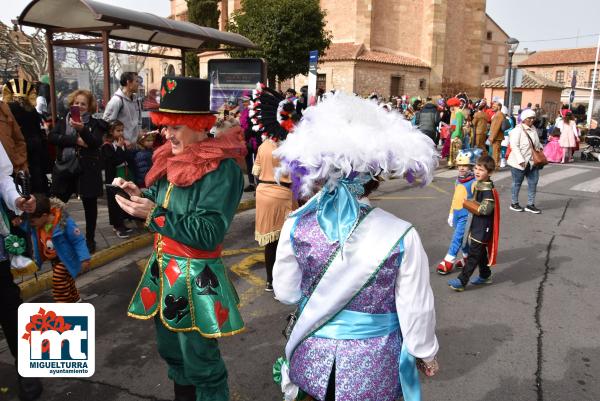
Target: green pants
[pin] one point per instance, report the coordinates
(193, 360)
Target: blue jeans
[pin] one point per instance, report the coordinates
(533, 176)
(456, 244)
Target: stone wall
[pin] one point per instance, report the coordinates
(377, 77)
(341, 19)
(366, 77)
(394, 27)
(448, 35)
(178, 8)
(465, 24)
(339, 75)
(547, 98)
(494, 51)
(583, 73)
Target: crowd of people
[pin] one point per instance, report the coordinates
(313, 217)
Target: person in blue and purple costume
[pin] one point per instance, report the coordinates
(359, 275)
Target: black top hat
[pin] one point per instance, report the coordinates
(185, 95)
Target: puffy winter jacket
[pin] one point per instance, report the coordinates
(428, 119)
(67, 240)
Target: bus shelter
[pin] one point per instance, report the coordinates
(100, 22)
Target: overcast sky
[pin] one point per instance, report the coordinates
(535, 23)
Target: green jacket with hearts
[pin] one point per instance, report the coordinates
(185, 281)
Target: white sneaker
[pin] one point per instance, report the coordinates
(502, 163)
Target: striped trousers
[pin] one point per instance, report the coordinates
(63, 285)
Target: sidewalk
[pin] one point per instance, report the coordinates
(109, 247)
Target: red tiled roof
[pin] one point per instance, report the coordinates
(352, 51)
(561, 56)
(342, 51)
(530, 81)
(387, 58)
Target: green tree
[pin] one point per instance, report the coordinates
(203, 13)
(284, 30)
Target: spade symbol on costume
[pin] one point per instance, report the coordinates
(154, 271)
(208, 281)
(175, 308)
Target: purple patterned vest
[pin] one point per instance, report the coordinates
(365, 370)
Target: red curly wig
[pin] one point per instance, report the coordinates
(197, 122)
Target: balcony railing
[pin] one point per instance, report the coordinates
(588, 84)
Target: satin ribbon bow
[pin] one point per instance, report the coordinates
(338, 208)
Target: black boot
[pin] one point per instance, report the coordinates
(30, 388)
(184, 393)
(91, 245)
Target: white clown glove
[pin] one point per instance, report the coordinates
(451, 219)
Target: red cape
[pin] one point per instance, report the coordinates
(493, 244)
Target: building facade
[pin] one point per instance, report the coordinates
(534, 89)
(397, 47)
(562, 65)
(494, 56)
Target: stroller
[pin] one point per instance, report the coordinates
(591, 150)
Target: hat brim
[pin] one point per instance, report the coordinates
(196, 121)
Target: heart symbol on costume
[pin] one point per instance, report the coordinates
(148, 298)
(171, 85)
(160, 221)
(221, 312)
(172, 272)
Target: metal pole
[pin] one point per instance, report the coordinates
(50, 50)
(182, 63)
(594, 77)
(106, 67)
(509, 86)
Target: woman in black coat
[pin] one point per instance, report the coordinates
(19, 94)
(80, 138)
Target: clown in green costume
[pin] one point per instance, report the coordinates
(194, 188)
(456, 125)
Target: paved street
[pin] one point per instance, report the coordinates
(532, 335)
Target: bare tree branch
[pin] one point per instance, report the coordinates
(27, 51)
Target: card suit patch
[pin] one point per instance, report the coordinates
(207, 280)
(172, 272)
(171, 85)
(222, 313)
(148, 298)
(175, 307)
(160, 221)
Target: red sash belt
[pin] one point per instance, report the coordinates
(176, 248)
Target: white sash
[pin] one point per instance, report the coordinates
(363, 253)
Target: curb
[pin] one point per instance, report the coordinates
(43, 282)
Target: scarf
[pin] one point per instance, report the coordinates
(197, 160)
(466, 178)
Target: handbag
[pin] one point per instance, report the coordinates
(291, 322)
(68, 167)
(538, 156)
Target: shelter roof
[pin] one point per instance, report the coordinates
(530, 81)
(90, 17)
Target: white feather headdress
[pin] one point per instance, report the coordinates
(345, 135)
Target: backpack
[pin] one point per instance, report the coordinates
(505, 125)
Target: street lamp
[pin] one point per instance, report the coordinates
(512, 48)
